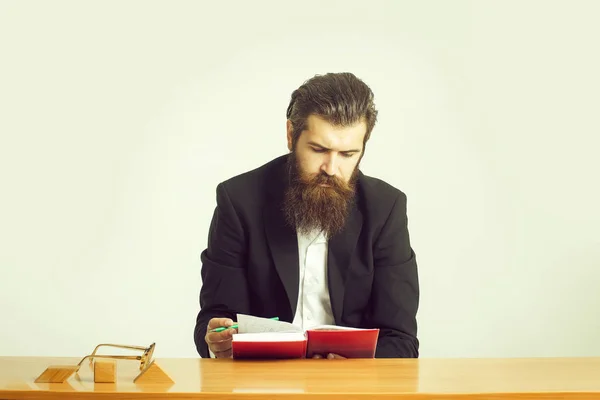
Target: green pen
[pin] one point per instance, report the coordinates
(234, 326)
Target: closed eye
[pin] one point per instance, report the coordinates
(345, 154)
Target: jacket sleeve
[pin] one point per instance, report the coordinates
(395, 293)
(224, 289)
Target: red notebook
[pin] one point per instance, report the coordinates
(269, 345)
(346, 342)
(268, 339)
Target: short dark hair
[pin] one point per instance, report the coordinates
(340, 98)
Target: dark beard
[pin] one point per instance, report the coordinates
(308, 206)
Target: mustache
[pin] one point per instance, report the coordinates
(324, 179)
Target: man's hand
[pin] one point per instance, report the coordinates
(219, 342)
(330, 356)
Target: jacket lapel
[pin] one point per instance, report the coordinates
(281, 238)
(341, 247)
(283, 244)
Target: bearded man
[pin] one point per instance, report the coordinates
(308, 237)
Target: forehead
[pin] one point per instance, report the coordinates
(335, 137)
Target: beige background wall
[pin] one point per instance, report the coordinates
(119, 118)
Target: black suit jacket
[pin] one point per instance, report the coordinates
(251, 265)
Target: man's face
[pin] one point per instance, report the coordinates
(328, 150)
(324, 168)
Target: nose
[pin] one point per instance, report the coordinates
(329, 164)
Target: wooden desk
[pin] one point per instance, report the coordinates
(575, 378)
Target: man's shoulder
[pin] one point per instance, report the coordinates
(373, 188)
(379, 199)
(256, 180)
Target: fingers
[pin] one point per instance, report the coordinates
(216, 337)
(330, 356)
(219, 342)
(219, 322)
(223, 354)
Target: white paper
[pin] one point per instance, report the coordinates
(334, 328)
(251, 324)
(269, 337)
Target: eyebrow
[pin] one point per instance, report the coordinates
(314, 144)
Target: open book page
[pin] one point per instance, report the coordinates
(269, 337)
(334, 328)
(252, 324)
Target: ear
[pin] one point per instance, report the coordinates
(289, 129)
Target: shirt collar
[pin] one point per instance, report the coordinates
(314, 237)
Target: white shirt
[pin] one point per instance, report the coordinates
(314, 306)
